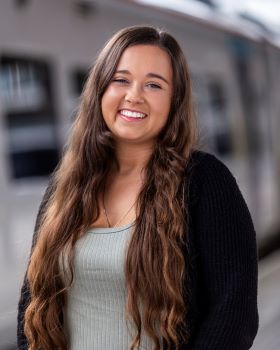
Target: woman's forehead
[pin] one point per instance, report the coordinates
(146, 58)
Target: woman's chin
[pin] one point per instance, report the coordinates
(132, 138)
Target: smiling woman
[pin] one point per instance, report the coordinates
(141, 240)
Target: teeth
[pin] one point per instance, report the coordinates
(131, 114)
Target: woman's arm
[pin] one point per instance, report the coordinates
(225, 243)
(25, 294)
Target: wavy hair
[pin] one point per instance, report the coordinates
(155, 267)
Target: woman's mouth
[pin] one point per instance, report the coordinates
(129, 115)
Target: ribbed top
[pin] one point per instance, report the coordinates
(95, 313)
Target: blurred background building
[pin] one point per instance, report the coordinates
(46, 49)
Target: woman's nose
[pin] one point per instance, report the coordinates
(134, 95)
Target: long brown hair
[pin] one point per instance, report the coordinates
(155, 268)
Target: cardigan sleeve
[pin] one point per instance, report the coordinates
(225, 244)
(25, 293)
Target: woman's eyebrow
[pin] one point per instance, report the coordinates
(150, 75)
(123, 71)
(154, 75)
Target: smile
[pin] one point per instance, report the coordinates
(132, 114)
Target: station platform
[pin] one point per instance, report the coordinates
(268, 337)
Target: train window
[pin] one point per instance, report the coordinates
(217, 95)
(210, 3)
(78, 79)
(221, 126)
(29, 117)
(211, 104)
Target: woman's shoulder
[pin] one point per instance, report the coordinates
(203, 164)
(207, 175)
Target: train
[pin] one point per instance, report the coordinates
(46, 49)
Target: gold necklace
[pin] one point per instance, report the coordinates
(121, 219)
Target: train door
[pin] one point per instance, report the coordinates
(29, 153)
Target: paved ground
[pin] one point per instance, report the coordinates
(269, 304)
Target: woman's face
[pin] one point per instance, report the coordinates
(136, 103)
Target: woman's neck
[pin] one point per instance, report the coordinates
(131, 159)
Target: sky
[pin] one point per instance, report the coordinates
(266, 10)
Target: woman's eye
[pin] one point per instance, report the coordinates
(120, 81)
(154, 86)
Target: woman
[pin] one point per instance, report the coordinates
(141, 241)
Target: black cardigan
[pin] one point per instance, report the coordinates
(221, 261)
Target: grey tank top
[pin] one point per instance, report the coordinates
(94, 317)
